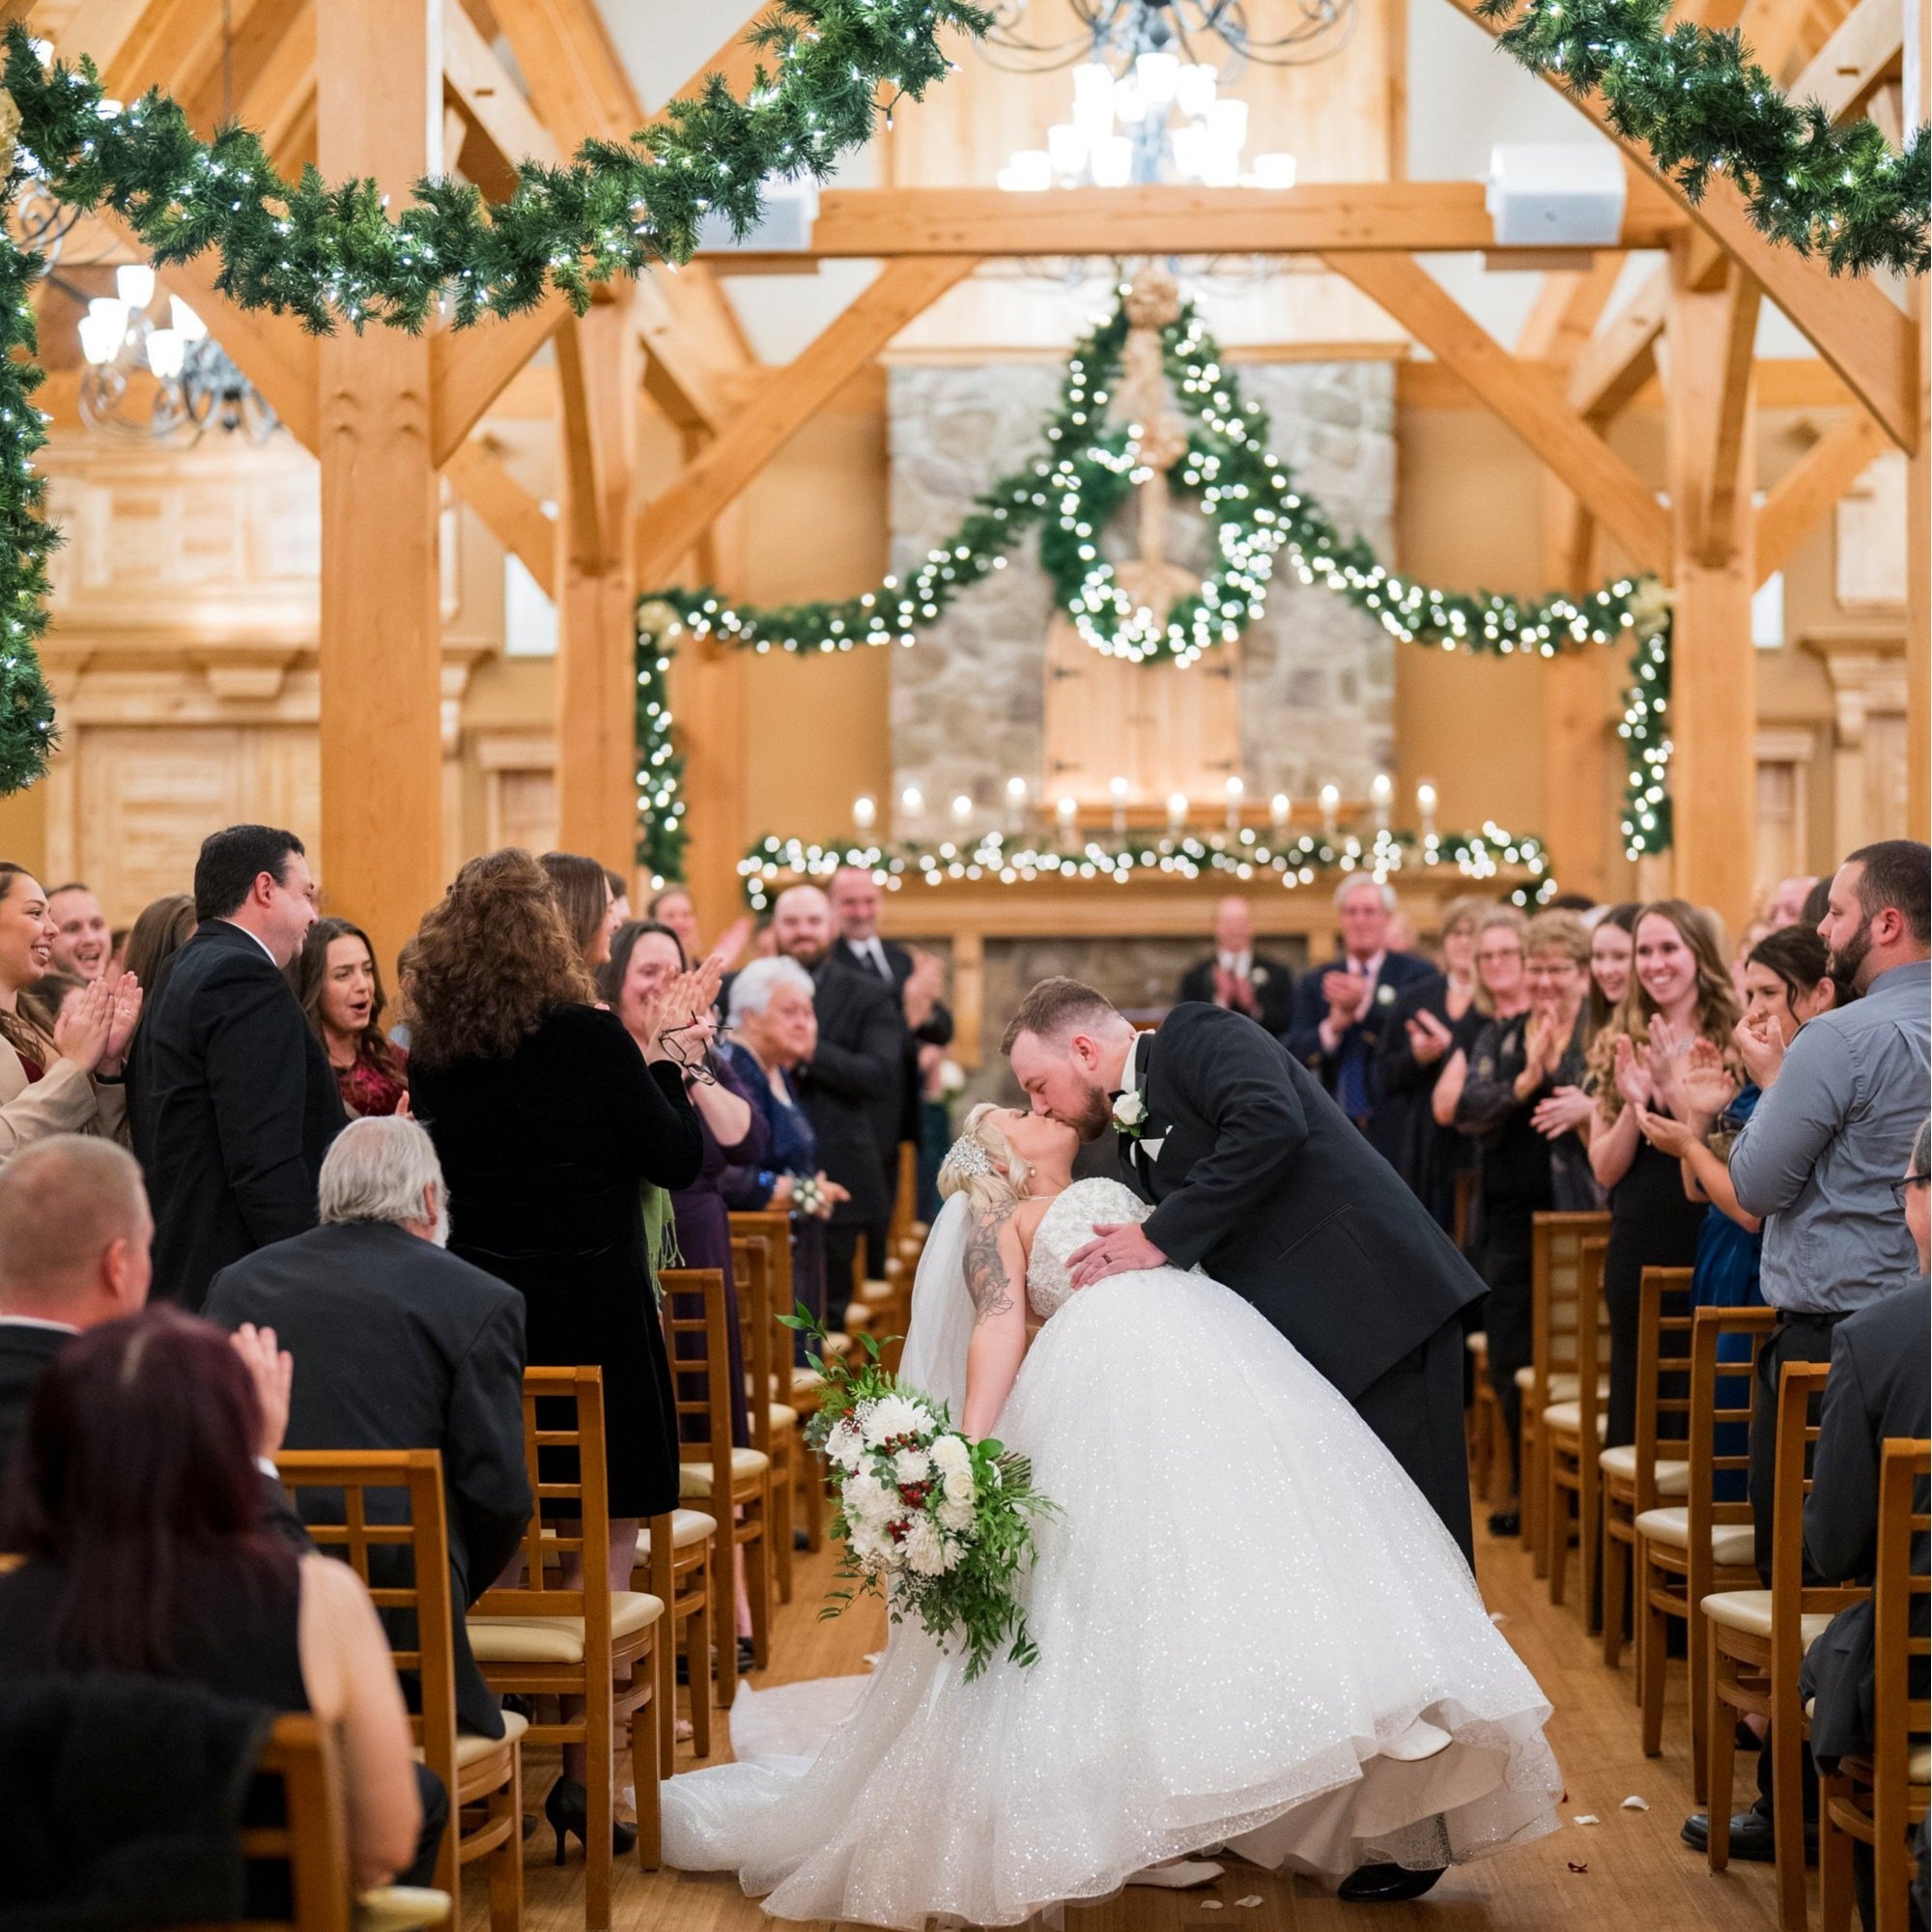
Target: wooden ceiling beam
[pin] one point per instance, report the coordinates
(1771, 30)
(99, 28)
(494, 110)
(224, 85)
(507, 510)
(672, 524)
(1567, 309)
(279, 103)
(1519, 393)
(1811, 486)
(1867, 48)
(1730, 423)
(471, 367)
(1849, 319)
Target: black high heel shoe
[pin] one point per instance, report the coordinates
(568, 1809)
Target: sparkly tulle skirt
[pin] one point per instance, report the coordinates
(1244, 1610)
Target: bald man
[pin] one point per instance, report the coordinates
(850, 1085)
(1237, 977)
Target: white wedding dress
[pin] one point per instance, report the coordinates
(1241, 1603)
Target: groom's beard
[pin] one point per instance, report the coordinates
(1094, 1117)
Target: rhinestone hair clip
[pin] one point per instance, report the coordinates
(966, 1155)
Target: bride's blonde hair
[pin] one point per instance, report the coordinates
(983, 1165)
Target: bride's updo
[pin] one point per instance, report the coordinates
(983, 1165)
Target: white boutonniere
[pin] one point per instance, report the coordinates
(1130, 1115)
(1259, 977)
(1384, 996)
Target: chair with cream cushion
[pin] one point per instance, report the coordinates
(1480, 1425)
(729, 1484)
(1877, 1798)
(1555, 1258)
(1686, 1551)
(798, 1388)
(1572, 1434)
(1656, 1469)
(774, 1421)
(565, 1634)
(483, 1776)
(1757, 1640)
(674, 1562)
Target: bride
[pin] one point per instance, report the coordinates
(1252, 1631)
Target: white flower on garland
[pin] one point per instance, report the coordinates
(888, 1418)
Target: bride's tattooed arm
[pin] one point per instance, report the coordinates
(994, 1264)
(987, 1277)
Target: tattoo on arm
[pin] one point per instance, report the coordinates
(986, 1279)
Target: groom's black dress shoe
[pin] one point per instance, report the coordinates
(1751, 1841)
(1384, 1885)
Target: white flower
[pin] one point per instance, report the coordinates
(1129, 1112)
(912, 1465)
(959, 1486)
(1385, 996)
(949, 1453)
(867, 1500)
(957, 1516)
(952, 1077)
(845, 1444)
(924, 1548)
(891, 1416)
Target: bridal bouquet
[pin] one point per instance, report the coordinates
(939, 1526)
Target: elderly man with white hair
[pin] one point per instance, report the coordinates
(850, 1085)
(398, 1344)
(1341, 1011)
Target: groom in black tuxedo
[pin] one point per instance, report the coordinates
(1256, 1174)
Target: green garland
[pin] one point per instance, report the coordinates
(661, 833)
(1068, 493)
(1702, 107)
(327, 254)
(1294, 860)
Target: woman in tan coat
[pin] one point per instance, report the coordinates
(67, 1081)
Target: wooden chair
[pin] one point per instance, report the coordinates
(730, 1485)
(583, 1639)
(798, 1388)
(1656, 1469)
(1686, 1551)
(674, 1565)
(1551, 1374)
(483, 1776)
(1878, 1799)
(1479, 1424)
(1572, 1434)
(774, 1421)
(312, 1842)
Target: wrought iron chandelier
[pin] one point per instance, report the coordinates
(1222, 33)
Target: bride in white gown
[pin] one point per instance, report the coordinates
(1252, 1631)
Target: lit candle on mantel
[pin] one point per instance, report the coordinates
(962, 810)
(1279, 808)
(864, 814)
(1016, 798)
(1118, 789)
(1066, 811)
(912, 807)
(1177, 810)
(1382, 791)
(1425, 804)
(1331, 802)
(1234, 790)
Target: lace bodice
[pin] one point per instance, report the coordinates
(1068, 1225)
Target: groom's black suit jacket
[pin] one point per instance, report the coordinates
(1261, 1180)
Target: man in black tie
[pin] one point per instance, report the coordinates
(1341, 1015)
(399, 1345)
(230, 1096)
(1236, 977)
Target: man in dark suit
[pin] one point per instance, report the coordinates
(850, 1085)
(1254, 1175)
(916, 980)
(1236, 977)
(1343, 1013)
(230, 1096)
(400, 1345)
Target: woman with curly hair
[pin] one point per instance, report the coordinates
(1678, 992)
(340, 987)
(549, 1122)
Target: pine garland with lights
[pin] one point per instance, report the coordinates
(1085, 473)
(1295, 860)
(328, 254)
(1702, 107)
(661, 833)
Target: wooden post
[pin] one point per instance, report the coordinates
(1918, 47)
(601, 371)
(1576, 720)
(379, 94)
(1713, 714)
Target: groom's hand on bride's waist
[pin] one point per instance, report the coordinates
(1117, 1247)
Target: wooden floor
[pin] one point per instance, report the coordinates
(1628, 1873)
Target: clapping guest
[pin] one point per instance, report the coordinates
(401, 1346)
(62, 1079)
(340, 989)
(672, 906)
(1679, 978)
(1612, 951)
(589, 907)
(775, 1032)
(83, 943)
(1433, 1020)
(1502, 993)
(1236, 977)
(232, 1100)
(1343, 1014)
(135, 1507)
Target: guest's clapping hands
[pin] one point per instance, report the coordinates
(830, 1195)
(1761, 1045)
(272, 1370)
(1676, 1138)
(1562, 1112)
(83, 1032)
(1632, 1074)
(1117, 1247)
(1704, 1082)
(124, 1016)
(1429, 1040)
(1347, 993)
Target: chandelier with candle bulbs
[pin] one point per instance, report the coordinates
(192, 385)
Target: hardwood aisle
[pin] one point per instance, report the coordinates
(1635, 1873)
